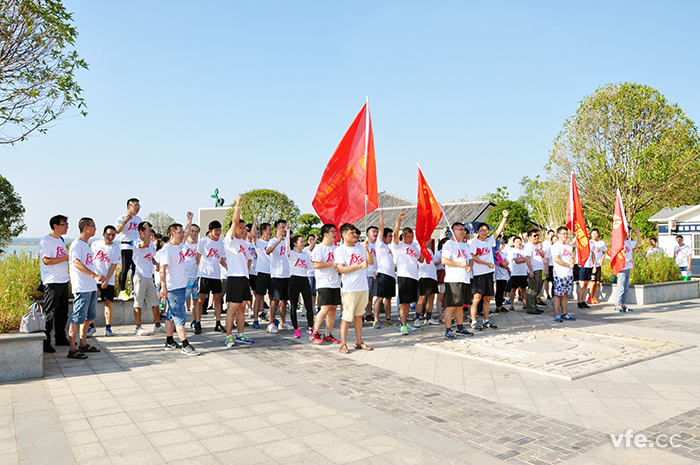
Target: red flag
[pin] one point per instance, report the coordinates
(619, 235)
(350, 178)
(576, 223)
(428, 214)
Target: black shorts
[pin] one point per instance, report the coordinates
(328, 296)
(107, 293)
(408, 290)
(207, 285)
(386, 286)
(550, 276)
(427, 286)
(576, 268)
(457, 294)
(584, 274)
(279, 289)
(262, 284)
(237, 289)
(596, 276)
(483, 284)
(518, 281)
(253, 280)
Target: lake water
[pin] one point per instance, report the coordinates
(17, 249)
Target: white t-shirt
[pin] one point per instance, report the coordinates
(263, 264)
(484, 251)
(357, 280)
(501, 273)
(326, 278)
(211, 252)
(429, 269)
(536, 257)
(130, 233)
(174, 257)
(156, 272)
(310, 272)
(454, 274)
(253, 254)
(237, 256)
(106, 256)
(143, 259)
(53, 248)
(629, 254)
(300, 263)
(190, 258)
(279, 261)
(682, 255)
(598, 248)
(372, 269)
(385, 258)
(79, 281)
(465, 247)
(406, 257)
(565, 253)
(517, 269)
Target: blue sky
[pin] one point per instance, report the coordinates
(186, 97)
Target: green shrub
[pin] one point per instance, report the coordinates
(648, 269)
(19, 277)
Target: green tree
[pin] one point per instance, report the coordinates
(160, 222)
(309, 224)
(629, 137)
(500, 195)
(545, 201)
(11, 213)
(518, 217)
(270, 206)
(37, 66)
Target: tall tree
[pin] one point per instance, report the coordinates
(629, 137)
(270, 206)
(37, 66)
(545, 201)
(11, 213)
(160, 222)
(309, 224)
(518, 217)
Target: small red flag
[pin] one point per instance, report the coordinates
(576, 223)
(350, 177)
(428, 216)
(619, 235)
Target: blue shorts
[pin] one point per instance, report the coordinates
(312, 283)
(192, 289)
(176, 307)
(84, 307)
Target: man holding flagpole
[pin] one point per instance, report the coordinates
(621, 253)
(623, 277)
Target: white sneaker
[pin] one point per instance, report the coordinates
(141, 332)
(433, 322)
(91, 332)
(158, 329)
(271, 328)
(410, 328)
(286, 326)
(416, 323)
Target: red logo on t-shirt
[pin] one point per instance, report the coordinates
(213, 253)
(300, 263)
(189, 252)
(148, 257)
(182, 257)
(241, 250)
(566, 253)
(356, 259)
(132, 226)
(411, 253)
(331, 257)
(60, 252)
(101, 256)
(88, 259)
(482, 251)
(283, 250)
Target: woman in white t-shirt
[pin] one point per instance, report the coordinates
(299, 265)
(517, 260)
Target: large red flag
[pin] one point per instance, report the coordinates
(576, 223)
(428, 214)
(350, 179)
(619, 235)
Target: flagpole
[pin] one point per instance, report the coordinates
(366, 152)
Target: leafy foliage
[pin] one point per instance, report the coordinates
(309, 225)
(545, 201)
(499, 196)
(270, 206)
(11, 213)
(37, 66)
(160, 222)
(19, 278)
(648, 269)
(518, 219)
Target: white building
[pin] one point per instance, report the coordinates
(684, 221)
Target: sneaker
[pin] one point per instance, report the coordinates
(277, 322)
(189, 350)
(158, 328)
(369, 319)
(205, 312)
(141, 332)
(256, 324)
(403, 330)
(566, 316)
(535, 312)
(286, 326)
(584, 305)
(297, 334)
(390, 322)
(192, 323)
(488, 324)
(620, 309)
(123, 295)
(330, 338)
(594, 300)
(416, 324)
(272, 328)
(48, 348)
(108, 332)
(410, 328)
(432, 322)
(476, 325)
(507, 300)
(541, 304)
(219, 328)
(173, 346)
(589, 300)
(91, 331)
(627, 309)
(501, 310)
(229, 341)
(449, 335)
(243, 339)
(316, 337)
(198, 328)
(309, 330)
(376, 325)
(464, 332)
(557, 318)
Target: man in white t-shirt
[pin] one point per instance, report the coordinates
(107, 256)
(598, 249)
(128, 230)
(481, 250)
(84, 282)
(173, 281)
(563, 259)
(457, 269)
(623, 277)
(311, 273)
(53, 255)
(549, 270)
(372, 232)
(145, 294)
(351, 260)
(407, 256)
(386, 273)
(327, 284)
(190, 247)
(535, 266)
(683, 256)
(210, 260)
(262, 282)
(278, 251)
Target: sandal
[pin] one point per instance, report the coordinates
(344, 349)
(362, 346)
(76, 354)
(88, 348)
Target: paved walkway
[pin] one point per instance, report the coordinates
(288, 401)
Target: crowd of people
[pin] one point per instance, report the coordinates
(253, 264)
